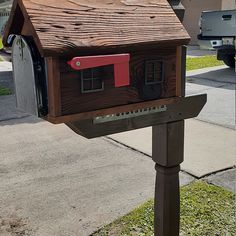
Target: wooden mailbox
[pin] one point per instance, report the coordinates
(108, 66)
(86, 60)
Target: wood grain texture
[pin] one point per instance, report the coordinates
(66, 25)
(73, 101)
(183, 71)
(178, 71)
(168, 143)
(167, 201)
(168, 154)
(54, 87)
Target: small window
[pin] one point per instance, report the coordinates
(154, 72)
(91, 80)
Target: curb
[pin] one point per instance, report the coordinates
(5, 74)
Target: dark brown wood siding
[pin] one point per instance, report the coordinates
(73, 101)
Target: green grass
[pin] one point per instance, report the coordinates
(4, 91)
(206, 210)
(1, 45)
(202, 62)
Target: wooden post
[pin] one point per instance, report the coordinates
(167, 153)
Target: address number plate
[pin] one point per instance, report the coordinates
(130, 114)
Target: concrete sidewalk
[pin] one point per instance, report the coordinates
(208, 148)
(5, 66)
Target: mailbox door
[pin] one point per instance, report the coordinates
(29, 88)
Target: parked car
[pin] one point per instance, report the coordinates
(218, 31)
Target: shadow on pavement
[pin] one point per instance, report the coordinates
(6, 80)
(9, 115)
(22, 120)
(219, 78)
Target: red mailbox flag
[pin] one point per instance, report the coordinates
(120, 61)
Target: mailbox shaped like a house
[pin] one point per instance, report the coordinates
(82, 59)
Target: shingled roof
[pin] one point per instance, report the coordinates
(59, 26)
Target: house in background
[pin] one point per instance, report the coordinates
(193, 9)
(5, 8)
(228, 4)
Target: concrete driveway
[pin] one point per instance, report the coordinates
(56, 183)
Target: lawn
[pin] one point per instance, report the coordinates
(202, 62)
(4, 91)
(206, 210)
(1, 47)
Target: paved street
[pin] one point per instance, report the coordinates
(193, 51)
(56, 183)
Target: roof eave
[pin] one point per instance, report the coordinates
(49, 52)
